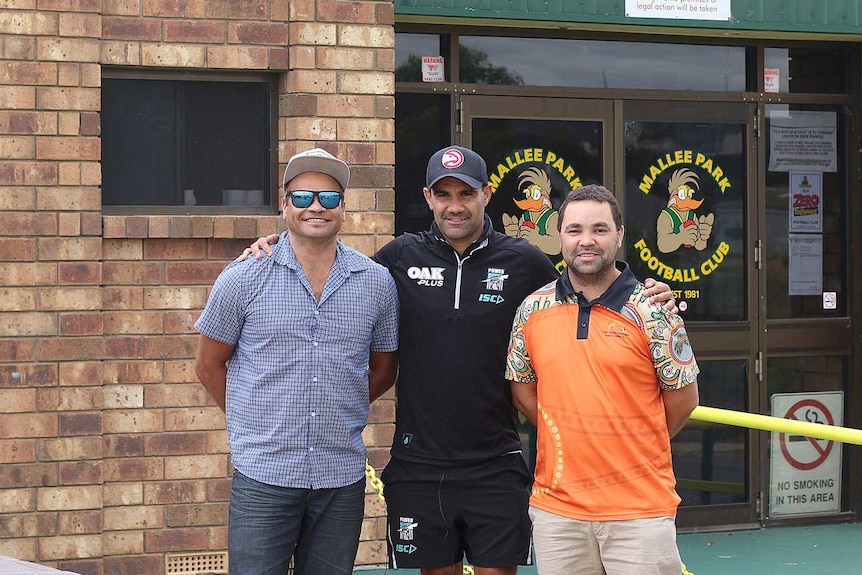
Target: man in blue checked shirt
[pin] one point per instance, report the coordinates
(294, 348)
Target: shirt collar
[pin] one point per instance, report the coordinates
(345, 258)
(481, 241)
(615, 297)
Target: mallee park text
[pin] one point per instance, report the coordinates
(682, 275)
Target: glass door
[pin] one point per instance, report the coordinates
(537, 149)
(690, 208)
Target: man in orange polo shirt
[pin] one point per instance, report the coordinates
(608, 379)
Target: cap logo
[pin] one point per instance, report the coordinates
(452, 159)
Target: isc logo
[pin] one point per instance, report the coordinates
(402, 548)
(491, 298)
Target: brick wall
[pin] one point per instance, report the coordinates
(111, 454)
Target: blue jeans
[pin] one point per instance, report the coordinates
(268, 525)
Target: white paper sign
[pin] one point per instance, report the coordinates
(679, 9)
(771, 79)
(806, 202)
(805, 473)
(805, 255)
(433, 69)
(803, 141)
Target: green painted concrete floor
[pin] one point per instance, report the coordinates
(814, 550)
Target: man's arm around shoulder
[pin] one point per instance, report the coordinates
(678, 405)
(382, 371)
(526, 399)
(211, 367)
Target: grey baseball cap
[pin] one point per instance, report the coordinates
(317, 160)
(457, 162)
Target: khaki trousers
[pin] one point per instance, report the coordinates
(566, 546)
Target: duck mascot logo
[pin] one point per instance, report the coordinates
(677, 224)
(538, 222)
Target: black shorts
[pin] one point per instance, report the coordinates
(437, 515)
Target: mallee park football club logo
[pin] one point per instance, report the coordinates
(686, 222)
(537, 221)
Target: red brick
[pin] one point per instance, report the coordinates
(17, 97)
(19, 48)
(192, 273)
(87, 25)
(68, 49)
(71, 5)
(80, 273)
(174, 8)
(80, 472)
(28, 224)
(91, 124)
(248, 10)
(189, 395)
(349, 12)
(135, 565)
(81, 373)
(258, 33)
(28, 375)
(17, 451)
(218, 489)
(122, 298)
(176, 346)
(123, 348)
(71, 349)
(121, 445)
(82, 566)
(237, 57)
(180, 322)
(28, 173)
(134, 469)
(121, 7)
(118, 28)
(129, 372)
(81, 324)
(67, 98)
(229, 249)
(166, 492)
(68, 148)
(196, 514)
(169, 540)
(28, 122)
(29, 525)
(28, 73)
(72, 424)
(14, 349)
(175, 444)
(129, 322)
(28, 475)
(175, 249)
(192, 31)
(133, 273)
(28, 425)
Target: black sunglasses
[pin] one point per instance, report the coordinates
(329, 199)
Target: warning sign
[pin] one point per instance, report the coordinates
(805, 473)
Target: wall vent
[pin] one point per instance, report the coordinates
(196, 564)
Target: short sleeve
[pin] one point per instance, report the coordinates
(224, 315)
(385, 335)
(672, 354)
(519, 368)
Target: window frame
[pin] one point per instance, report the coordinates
(271, 79)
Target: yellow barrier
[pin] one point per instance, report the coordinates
(780, 424)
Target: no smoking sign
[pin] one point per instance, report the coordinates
(805, 472)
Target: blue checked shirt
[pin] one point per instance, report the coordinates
(297, 382)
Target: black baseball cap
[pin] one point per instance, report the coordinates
(457, 162)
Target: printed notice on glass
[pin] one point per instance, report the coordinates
(805, 255)
(771, 79)
(679, 9)
(803, 141)
(806, 202)
(433, 69)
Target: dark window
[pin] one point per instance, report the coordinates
(808, 69)
(186, 143)
(409, 49)
(598, 64)
(420, 130)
